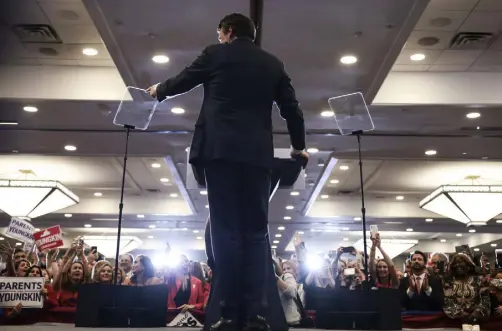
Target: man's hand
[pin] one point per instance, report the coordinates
(425, 283)
(295, 154)
(152, 90)
(413, 285)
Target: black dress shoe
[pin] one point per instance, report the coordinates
(225, 325)
(257, 323)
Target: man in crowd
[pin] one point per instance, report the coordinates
(421, 291)
(126, 261)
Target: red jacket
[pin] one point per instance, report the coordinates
(207, 290)
(196, 294)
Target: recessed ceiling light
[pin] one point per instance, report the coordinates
(493, 245)
(152, 226)
(90, 51)
(18, 244)
(327, 113)
(184, 229)
(98, 194)
(429, 219)
(273, 247)
(8, 123)
(344, 167)
(177, 110)
(409, 230)
(70, 148)
(160, 59)
(2, 238)
(287, 217)
(295, 193)
(173, 195)
(195, 231)
(281, 228)
(300, 232)
(399, 197)
(87, 225)
(484, 158)
(68, 215)
(37, 229)
(150, 237)
(345, 239)
(498, 221)
(357, 218)
(164, 180)
(312, 150)
(278, 235)
(443, 240)
(334, 181)
(477, 128)
(348, 59)
(464, 153)
(276, 241)
(472, 230)
(417, 57)
(290, 207)
(476, 249)
(199, 238)
(206, 206)
(324, 196)
(155, 165)
(203, 192)
(430, 152)
(140, 216)
(30, 109)
(345, 229)
(473, 115)
(459, 235)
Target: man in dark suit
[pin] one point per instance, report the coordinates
(233, 142)
(421, 291)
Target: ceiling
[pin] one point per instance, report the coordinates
(77, 96)
(441, 22)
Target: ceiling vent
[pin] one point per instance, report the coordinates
(471, 40)
(37, 33)
(152, 190)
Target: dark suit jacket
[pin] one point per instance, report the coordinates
(241, 81)
(423, 302)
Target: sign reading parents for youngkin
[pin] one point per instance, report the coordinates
(24, 290)
(21, 230)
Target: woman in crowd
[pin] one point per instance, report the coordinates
(103, 273)
(197, 271)
(496, 294)
(322, 278)
(348, 269)
(143, 273)
(185, 290)
(71, 276)
(288, 290)
(465, 298)
(25, 316)
(21, 267)
(383, 273)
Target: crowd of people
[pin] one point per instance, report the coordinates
(460, 285)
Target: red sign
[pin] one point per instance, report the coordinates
(49, 238)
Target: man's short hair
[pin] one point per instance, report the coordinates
(128, 255)
(242, 26)
(419, 253)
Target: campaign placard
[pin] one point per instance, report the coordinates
(49, 238)
(185, 320)
(21, 230)
(24, 290)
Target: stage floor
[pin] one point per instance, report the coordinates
(64, 327)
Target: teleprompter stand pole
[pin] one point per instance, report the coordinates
(358, 134)
(121, 204)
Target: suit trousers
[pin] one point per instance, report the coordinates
(238, 202)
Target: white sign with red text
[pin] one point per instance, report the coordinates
(49, 238)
